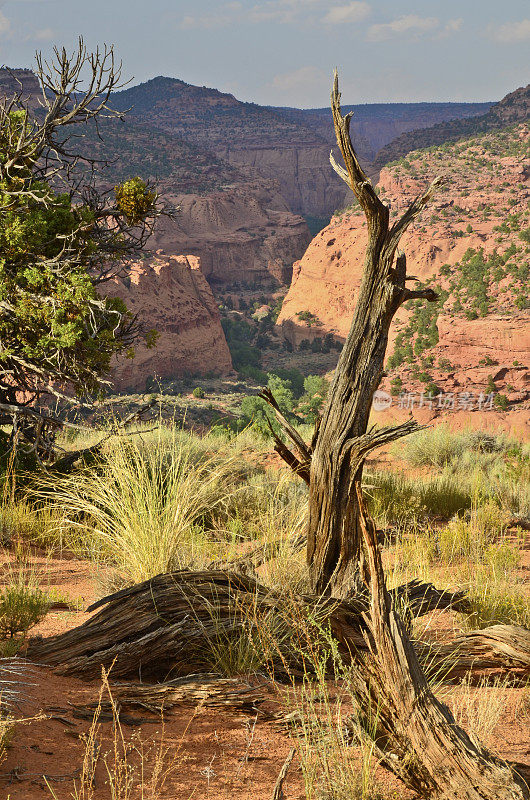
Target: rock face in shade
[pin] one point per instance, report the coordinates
(238, 223)
(171, 295)
(244, 233)
(482, 209)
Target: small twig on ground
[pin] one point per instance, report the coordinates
(278, 789)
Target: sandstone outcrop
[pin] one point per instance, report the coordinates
(171, 295)
(472, 242)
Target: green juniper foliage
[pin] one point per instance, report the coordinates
(61, 238)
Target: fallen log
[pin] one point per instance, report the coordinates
(161, 628)
(204, 689)
(484, 654)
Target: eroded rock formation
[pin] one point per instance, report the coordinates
(171, 295)
(472, 243)
(242, 234)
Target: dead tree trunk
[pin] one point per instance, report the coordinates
(341, 441)
(416, 735)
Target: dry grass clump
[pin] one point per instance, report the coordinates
(473, 535)
(439, 446)
(142, 509)
(397, 499)
(496, 601)
(478, 708)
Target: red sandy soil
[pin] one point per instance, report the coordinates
(219, 755)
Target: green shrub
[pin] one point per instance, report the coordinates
(199, 392)
(316, 388)
(21, 607)
(501, 401)
(496, 603)
(256, 412)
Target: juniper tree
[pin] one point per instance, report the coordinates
(62, 236)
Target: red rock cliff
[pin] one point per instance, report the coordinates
(171, 295)
(472, 240)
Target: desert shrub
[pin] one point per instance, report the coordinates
(18, 519)
(496, 602)
(294, 378)
(21, 607)
(397, 499)
(238, 334)
(199, 392)
(315, 391)
(433, 448)
(256, 412)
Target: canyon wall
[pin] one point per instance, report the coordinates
(472, 241)
(245, 234)
(170, 295)
(303, 174)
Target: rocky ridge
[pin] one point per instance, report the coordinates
(374, 125)
(513, 108)
(472, 243)
(288, 146)
(240, 228)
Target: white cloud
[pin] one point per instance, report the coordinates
(454, 25)
(451, 27)
(43, 35)
(409, 23)
(280, 11)
(353, 12)
(511, 31)
(301, 78)
(205, 21)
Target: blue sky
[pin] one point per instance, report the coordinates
(282, 52)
